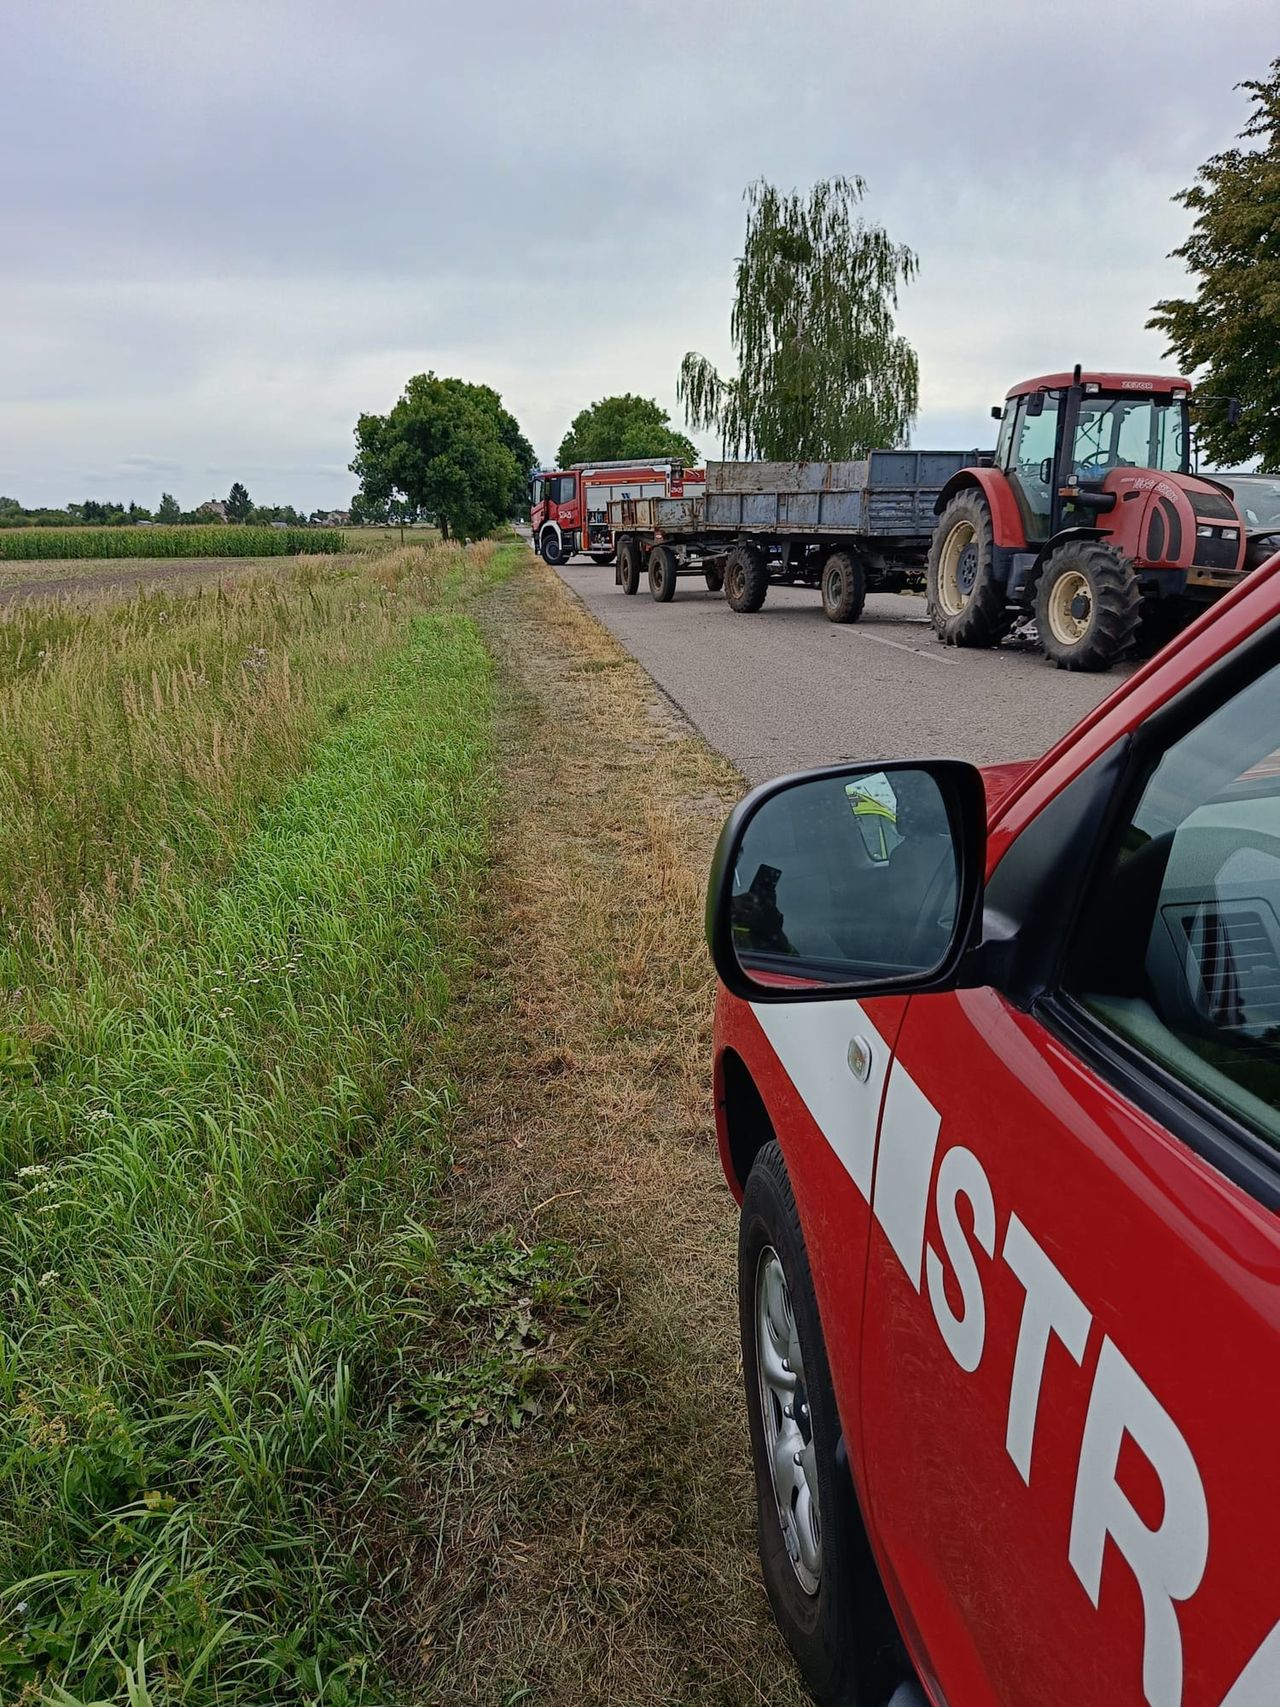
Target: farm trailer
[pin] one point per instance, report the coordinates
(840, 527)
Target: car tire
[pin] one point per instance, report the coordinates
(844, 587)
(1088, 606)
(816, 1610)
(629, 565)
(746, 578)
(966, 604)
(662, 574)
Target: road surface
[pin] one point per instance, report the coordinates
(786, 688)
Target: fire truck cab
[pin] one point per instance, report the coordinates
(569, 507)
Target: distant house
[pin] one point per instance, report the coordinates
(213, 507)
(332, 518)
(279, 524)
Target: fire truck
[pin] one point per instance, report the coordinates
(569, 507)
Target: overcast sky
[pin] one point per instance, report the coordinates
(230, 227)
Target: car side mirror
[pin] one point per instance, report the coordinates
(857, 880)
(1035, 403)
(997, 412)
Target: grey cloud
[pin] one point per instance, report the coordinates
(231, 228)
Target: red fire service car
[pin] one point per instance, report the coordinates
(997, 1084)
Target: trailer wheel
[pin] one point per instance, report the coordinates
(1088, 605)
(966, 603)
(746, 578)
(603, 558)
(662, 574)
(844, 587)
(714, 579)
(629, 564)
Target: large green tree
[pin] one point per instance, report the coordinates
(239, 503)
(625, 426)
(447, 448)
(168, 511)
(1228, 333)
(821, 371)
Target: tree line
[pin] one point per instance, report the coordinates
(94, 512)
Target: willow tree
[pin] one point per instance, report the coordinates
(821, 370)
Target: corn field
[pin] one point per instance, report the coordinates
(209, 540)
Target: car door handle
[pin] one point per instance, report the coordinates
(859, 1059)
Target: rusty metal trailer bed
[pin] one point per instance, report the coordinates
(836, 526)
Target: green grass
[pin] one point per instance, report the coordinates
(223, 1141)
(211, 540)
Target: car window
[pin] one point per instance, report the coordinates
(562, 492)
(1179, 947)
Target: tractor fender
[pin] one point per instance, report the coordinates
(993, 483)
(1022, 582)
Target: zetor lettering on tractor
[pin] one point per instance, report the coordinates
(569, 508)
(997, 1085)
(1090, 521)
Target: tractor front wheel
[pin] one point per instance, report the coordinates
(966, 603)
(1088, 605)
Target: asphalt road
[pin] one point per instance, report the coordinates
(786, 688)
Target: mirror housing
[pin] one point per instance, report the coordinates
(781, 972)
(997, 411)
(1035, 403)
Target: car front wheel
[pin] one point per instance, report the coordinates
(811, 1547)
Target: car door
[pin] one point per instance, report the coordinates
(1071, 1345)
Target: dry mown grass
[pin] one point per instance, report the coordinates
(607, 1555)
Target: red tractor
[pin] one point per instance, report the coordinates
(1088, 522)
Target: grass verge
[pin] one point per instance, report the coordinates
(609, 1558)
(223, 1135)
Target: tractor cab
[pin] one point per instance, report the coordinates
(1062, 435)
(1088, 524)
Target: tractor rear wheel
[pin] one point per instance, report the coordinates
(966, 603)
(746, 578)
(844, 587)
(629, 565)
(662, 574)
(1088, 605)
